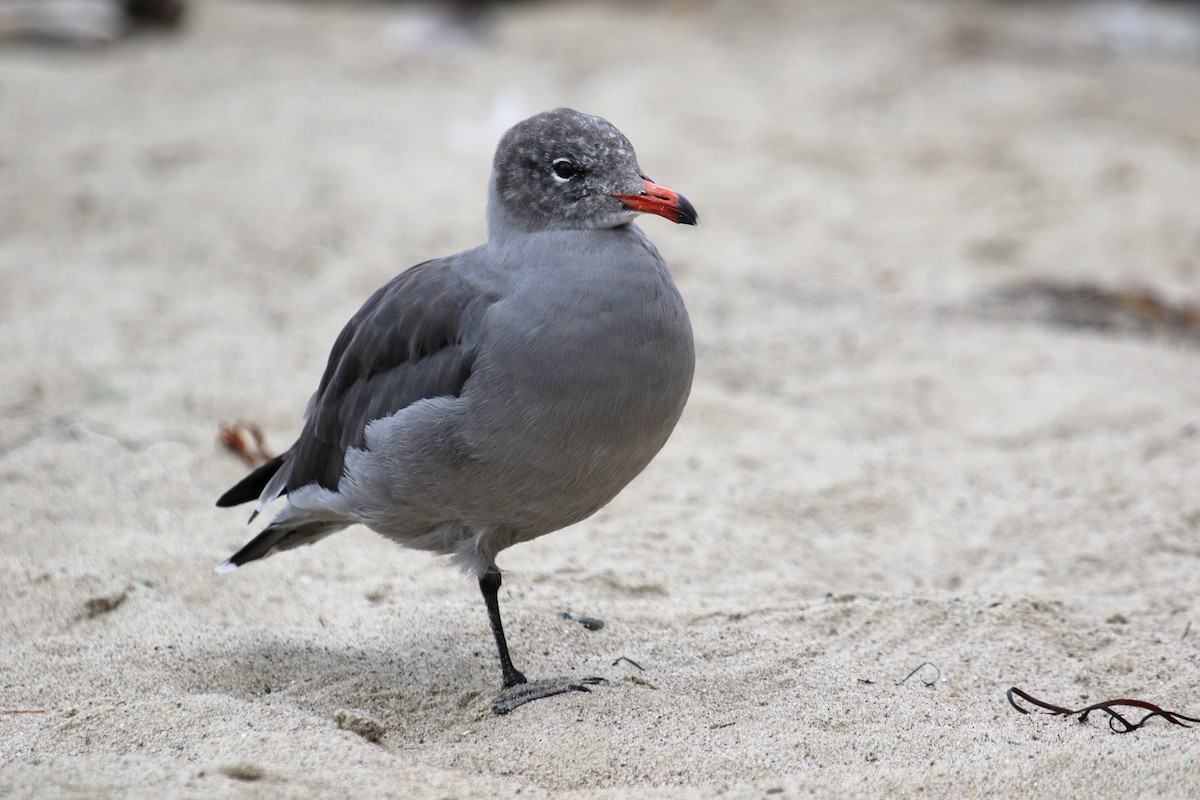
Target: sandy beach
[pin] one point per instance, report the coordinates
(946, 409)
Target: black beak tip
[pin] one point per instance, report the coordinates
(687, 212)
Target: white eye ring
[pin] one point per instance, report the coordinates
(564, 169)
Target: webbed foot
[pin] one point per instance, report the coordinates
(516, 696)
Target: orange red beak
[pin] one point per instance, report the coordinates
(662, 201)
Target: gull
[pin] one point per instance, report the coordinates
(488, 398)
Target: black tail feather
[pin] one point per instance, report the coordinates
(250, 487)
(283, 537)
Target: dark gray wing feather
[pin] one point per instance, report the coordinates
(414, 339)
(251, 487)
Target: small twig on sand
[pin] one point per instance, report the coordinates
(937, 674)
(1116, 720)
(629, 661)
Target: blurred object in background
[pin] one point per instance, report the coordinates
(1139, 28)
(85, 21)
(1124, 28)
(446, 29)
(162, 13)
(1137, 310)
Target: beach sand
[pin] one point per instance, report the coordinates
(902, 446)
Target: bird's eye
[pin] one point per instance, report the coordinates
(564, 169)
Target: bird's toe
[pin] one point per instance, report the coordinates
(516, 696)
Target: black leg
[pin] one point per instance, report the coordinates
(489, 584)
(518, 691)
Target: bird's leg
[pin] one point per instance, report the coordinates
(518, 691)
(489, 584)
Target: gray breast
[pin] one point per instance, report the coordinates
(592, 382)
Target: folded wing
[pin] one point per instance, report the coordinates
(414, 339)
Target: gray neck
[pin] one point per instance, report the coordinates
(503, 224)
(500, 223)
